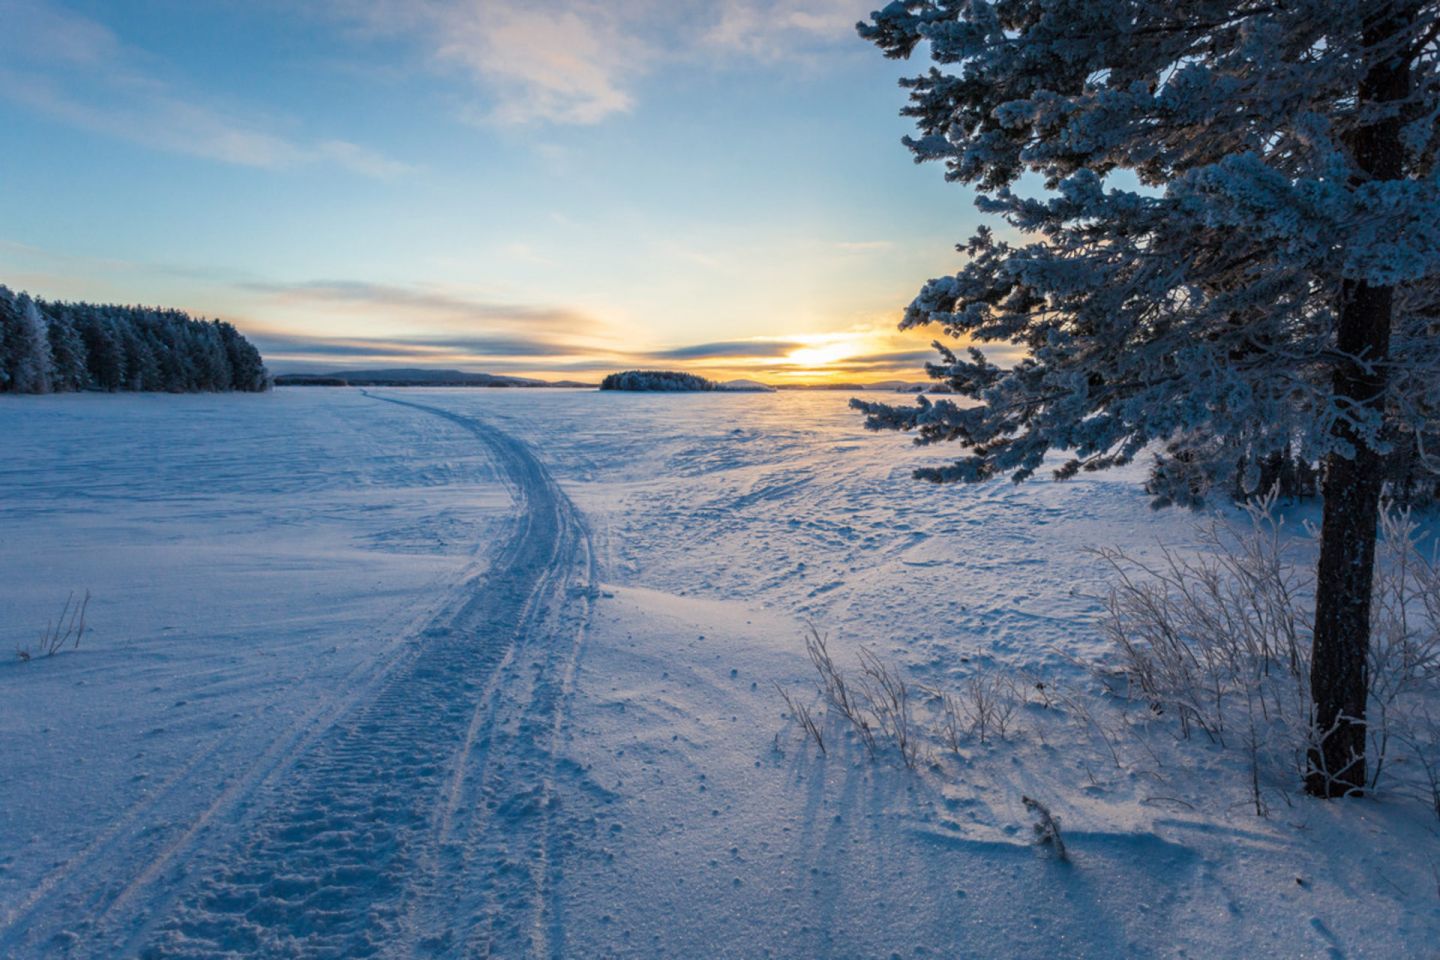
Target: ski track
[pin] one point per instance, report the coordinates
(424, 820)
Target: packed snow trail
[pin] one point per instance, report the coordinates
(425, 821)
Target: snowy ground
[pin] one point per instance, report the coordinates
(457, 673)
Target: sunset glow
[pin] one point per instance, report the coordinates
(554, 191)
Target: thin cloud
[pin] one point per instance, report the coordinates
(581, 61)
(728, 349)
(478, 347)
(547, 61)
(298, 353)
(886, 361)
(565, 66)
(361, 160)
(289, 345)
(75, 70)
(447, 308)
(776, 29)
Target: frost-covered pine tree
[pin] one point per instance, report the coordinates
(27, 356)
(67, 353)
(1225, 226)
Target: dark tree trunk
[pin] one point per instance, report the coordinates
(1338, 671)
(1353, 485)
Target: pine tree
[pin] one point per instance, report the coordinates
(1234, 238)
(9, 324)
(29, 361)
(104, 354)
(247, 370)
(142, 366)
(67, 350)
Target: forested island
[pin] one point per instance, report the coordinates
(666, 381)
(673, 381)
(57, 347)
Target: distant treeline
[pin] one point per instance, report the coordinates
(54, 347)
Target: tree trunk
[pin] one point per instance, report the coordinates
(1338, 668)
(1353, 485)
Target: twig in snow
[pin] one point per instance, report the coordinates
(1047, 827)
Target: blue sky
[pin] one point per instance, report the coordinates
(550, 188)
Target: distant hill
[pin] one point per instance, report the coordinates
(415, 377)
(745, 386)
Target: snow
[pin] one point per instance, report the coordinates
(446, 672)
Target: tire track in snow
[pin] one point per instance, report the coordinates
(424, 821)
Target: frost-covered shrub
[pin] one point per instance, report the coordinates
(883, 709)
(877, 703)
(981, 708)
(1221, 644)
(804, 716)
(655, 380)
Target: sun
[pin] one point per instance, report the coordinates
(819, 356)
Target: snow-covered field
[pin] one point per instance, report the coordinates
(465, 673)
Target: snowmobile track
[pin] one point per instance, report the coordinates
(424, 820)
(79, 900)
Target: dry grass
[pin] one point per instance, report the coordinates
(65, 630)
(1221, 643)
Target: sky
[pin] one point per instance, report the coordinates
(550, 189)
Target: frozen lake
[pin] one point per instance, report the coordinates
(457, 672)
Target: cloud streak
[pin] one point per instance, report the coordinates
(728, 349)
(566, 66)
(775, 29)
(581, 61)
(478, 347)
(75, 70)
(437, 307)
